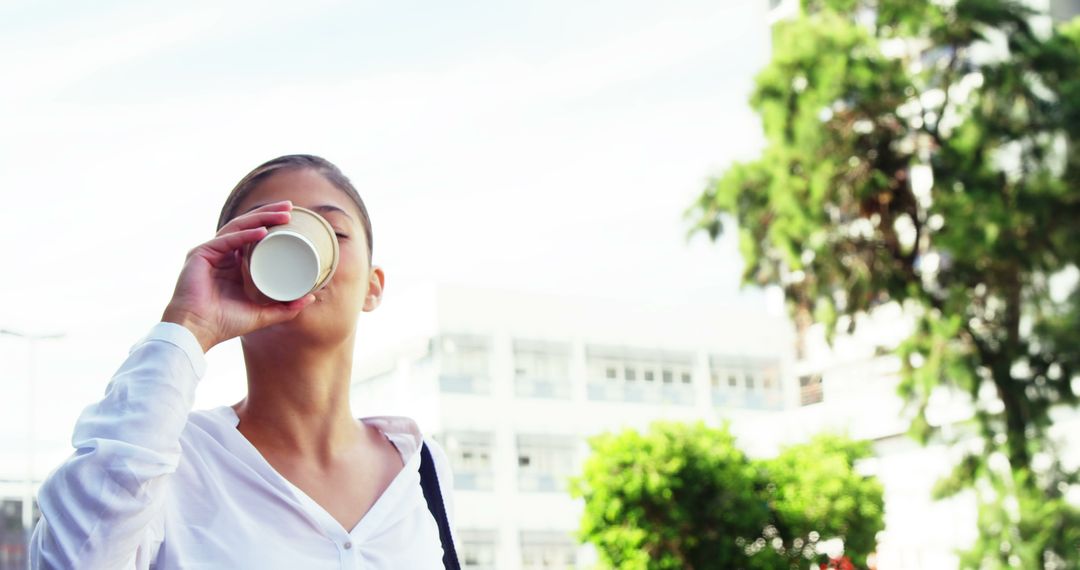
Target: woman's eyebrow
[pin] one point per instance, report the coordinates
(319, 208)
(331, 208)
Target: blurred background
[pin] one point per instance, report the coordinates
(576, 242)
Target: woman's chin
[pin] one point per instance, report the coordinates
(317, 320)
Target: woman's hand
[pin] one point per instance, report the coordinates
(209, 299)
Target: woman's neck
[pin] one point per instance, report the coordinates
(298, 399)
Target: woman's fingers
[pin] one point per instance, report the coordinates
(279, 312)
(292, 306)
(268, 215)
(219, 249)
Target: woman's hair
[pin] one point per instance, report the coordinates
(295, 162)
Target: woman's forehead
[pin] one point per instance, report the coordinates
(306, 188)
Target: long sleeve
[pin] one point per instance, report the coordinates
(100, 508)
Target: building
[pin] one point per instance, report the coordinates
(513, 384)
(13, 553)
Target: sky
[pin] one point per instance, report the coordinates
(539, 146)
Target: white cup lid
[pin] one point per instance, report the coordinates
(285, 266)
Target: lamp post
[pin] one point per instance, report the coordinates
(28, 492)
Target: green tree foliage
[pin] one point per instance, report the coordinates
(925, 153)
(684, 496)
(815, 493)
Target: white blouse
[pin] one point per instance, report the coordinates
(155, 485)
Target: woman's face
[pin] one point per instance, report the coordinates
(355, 286)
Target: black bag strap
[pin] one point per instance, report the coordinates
(429, 482)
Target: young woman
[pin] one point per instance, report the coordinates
(285, 478)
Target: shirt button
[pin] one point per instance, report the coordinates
(348, 545)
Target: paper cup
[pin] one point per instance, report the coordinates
(293, 259)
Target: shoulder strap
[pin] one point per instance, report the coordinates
(429, 482)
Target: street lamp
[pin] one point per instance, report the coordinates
(28, 492)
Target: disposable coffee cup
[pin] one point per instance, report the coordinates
(293, 259)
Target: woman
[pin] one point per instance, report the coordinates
(285, 478)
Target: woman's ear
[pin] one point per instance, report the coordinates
(376, 283)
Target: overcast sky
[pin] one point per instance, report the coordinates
(542, 146)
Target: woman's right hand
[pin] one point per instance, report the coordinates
(209, 299)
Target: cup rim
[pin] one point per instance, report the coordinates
(290, 234)
(335, 253)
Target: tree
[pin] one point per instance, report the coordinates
(676, 497)
(815, 494)
(909, 161)
(684, 496)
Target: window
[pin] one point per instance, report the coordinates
(770, 378)
(465, 365)
(544, 462)
(542, 369)
(679, 388)
(542, 550)
(470, 459)
(476, 549)
(748, 382)
(810, 390)
(12, 539)
(648, 375)
(607, 369)
(722, 371)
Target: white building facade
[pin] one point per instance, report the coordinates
(513, 384)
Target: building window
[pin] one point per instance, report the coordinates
(747, 382)
(640, 375)
(542, 550)
(810, 390)
(465, 365)
(678, 393)
(544, 462)
(476, 549)
(470, 459)
(12, 540)
(543, 369)
(606, 369)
